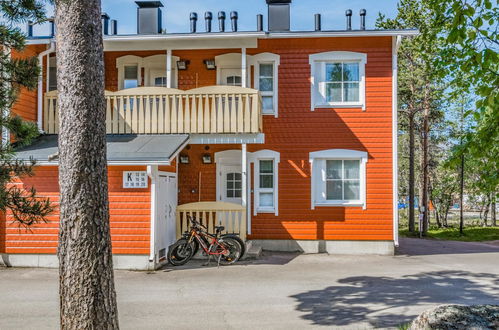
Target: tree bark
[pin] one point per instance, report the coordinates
(411, 174)
(461, 198)
(493, 215)
(86, 281)
(425, 169)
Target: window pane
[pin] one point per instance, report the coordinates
(351, 92)
(237, 176)
(230, 184)
(237, 185)
(160, 81)
(333, 72)
(333, 190)
(130, 83)
(352, 190)
(230, 193)
(352, 169)
(351, 71)
(266, 84)
(266, 166)
(131, 72)
(268, 104)
(230, 176)
(237, 193)
(266, 70)
(333, 169)
(266, 181)
(266, 199)
(333, 92)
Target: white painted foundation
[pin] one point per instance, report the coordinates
(331, 247)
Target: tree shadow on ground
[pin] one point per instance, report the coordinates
(385, 301)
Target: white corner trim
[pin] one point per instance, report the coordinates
(255, 157)
(276, 61)
(395, 46)
(152, 173)
(317, 164)
(317, 61)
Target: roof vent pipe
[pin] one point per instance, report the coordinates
(363, 13)
(318, 25)
(52, 26)
(30, 29)
(221, 21)
(105, 23)
(113, 27)
(194, 22)
(348, 14)
(208, 16)
(233, 18)
(259, 22)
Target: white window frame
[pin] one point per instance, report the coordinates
(317, 79)
(275, 60)
(318, 176)
(256, 157)
(153, 62)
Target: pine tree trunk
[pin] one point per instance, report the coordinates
(461, 198)
(87, 294)
(411, 174)
(493, 215)
(425, 169)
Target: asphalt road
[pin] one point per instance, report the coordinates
(279, 291)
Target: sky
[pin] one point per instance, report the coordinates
(176, 13)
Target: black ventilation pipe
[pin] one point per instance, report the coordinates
(30, 29)
(221, 21)
(194, 22)
(259, 22)
(348, 14)
(318, 22)
(363, 13)
(233, 18)
(208, 16)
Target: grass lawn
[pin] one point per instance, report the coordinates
(471, 234)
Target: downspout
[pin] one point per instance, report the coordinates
(395, 47)
(152, 171)
(40, 84)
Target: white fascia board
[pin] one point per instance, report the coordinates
(112, 163)
(353, 33)
(258, 138)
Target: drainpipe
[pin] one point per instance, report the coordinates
(152, 171)
(40, 84)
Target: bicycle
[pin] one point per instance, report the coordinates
(228, 248)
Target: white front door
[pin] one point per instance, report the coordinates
(166, 208)
(231, 184)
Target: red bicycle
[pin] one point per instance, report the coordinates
(226, 248)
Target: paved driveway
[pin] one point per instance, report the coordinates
(280, 291)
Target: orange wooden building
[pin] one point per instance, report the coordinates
(289, 136)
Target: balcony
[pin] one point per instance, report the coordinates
(159, 110)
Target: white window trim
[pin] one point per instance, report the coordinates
(149, 63)
(317, 67)
(318, 157)
(255, 158)
(268, 58)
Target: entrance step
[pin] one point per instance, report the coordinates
(253, 251)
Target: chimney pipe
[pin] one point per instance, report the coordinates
(363, 13)
(318, 25)
(233, 18)
(114, 27)
(30, 29)
(279, 15)
(149, 17)
(208, 16)
(221, 21)
(105, 23)
(259, 22)
(194, 22)
(52, 27)
(348, 14)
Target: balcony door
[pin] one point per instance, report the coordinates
(231, 77)
(231, 184)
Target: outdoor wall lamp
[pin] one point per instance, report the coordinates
(206, 159)
(183, 64)
(184, 159)
(210, 64)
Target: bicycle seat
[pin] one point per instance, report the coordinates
(219, 228)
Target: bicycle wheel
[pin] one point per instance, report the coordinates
(239, 240)
(180, 252)
(233, 248)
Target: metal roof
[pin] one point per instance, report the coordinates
(121, 149)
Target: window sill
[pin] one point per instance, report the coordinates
(335, 204)
(265, 210)
(340, 106)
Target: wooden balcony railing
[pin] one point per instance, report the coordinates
(211, 214)
(159, 110)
